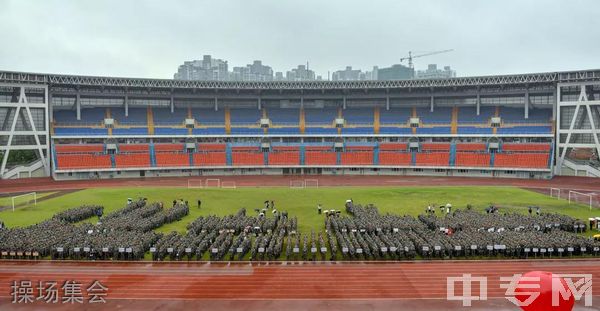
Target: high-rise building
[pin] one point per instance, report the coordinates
(395, 72)
(301, 73)
(252, 72)
(210, 69)
(433, 72)
(350, 74)
(347, 74)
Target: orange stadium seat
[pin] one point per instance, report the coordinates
(318, 148)
(168, 147)
(433, 159)
(470, 147)
(359, 148)
(78, 148)
(80, 161)
(134, 148)
(320, 158)
(435, 146)
(172, 159)
(286, 148)
(525, 147)
(524, 160)
(395, 158)
(472, 159)
(245, 148)
(212, 147)
(210, 159)
(132, 160)
(247, 158)
(357, 158)
(393, 146)
(284, 158)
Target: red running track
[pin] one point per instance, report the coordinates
(47, 184)
(393, 285)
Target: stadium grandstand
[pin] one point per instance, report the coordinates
(80, 127)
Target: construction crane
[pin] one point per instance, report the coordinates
(410, 56)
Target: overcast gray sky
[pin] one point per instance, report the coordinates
(151, 38)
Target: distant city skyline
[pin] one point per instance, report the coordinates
(210, 68)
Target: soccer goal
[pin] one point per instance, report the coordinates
(579, 197)
(555, 192)
(297, 184)
(25, 199)
(311, 183)
(228, 185)
(195, 183)
(213, 182)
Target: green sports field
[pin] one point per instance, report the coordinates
(301, 203)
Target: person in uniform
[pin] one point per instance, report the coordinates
(199, 203)
(319, 209)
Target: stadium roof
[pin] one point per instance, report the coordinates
(528, 78)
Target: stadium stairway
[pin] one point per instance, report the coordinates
(452, 150)
(227, 121)
(414, 115)
(150, 117)
(228, 158)
(376, 120)
(152, 155)
(454, 121)
(302, 155)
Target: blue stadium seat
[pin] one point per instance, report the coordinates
(284, 131)
(509, 114)
(284, 115)
(137, 116)
(246, 131)
(320, 116)
(469, 114)
(540, 115)
(79, 131)
(209, 116)
(394, 130)
(395, 115)
(357, 130)
(131, 131)
(433, 130)
(439, 115)
(163, 116)
(170, 131)
(209, 131)
(525, 130)
(474, 130)
(358, 115)
(245, 115)
(320, 130)
(88, 116)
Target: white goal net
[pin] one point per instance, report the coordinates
(25, 199)
(555, 193)
(228, 185)
(212, 182)
(579, 197)
(195, 183)
(311, 183)
(297, 184)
